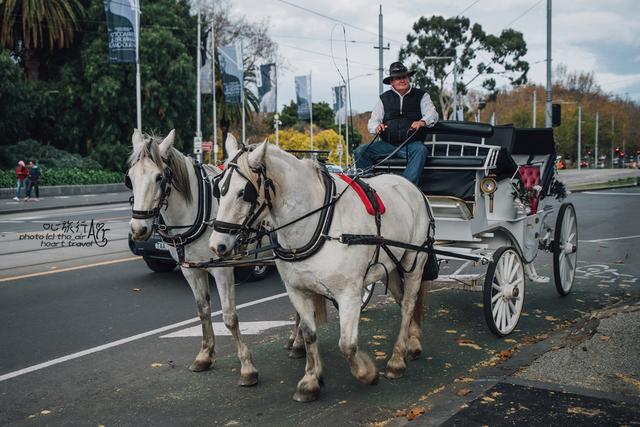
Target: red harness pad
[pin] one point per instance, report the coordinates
(363, 196)
(530, 176)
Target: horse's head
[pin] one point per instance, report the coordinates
(244, 195)
(148, 178)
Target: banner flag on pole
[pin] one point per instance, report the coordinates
(340, 104)
(206, 71)
(266, 80)
(303, 97)
(230, 58)
(123, 26)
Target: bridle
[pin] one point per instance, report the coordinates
(193, 231)
(250, 194)
(165, 186)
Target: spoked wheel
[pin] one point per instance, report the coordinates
(367, 293)
(565, 248)
(504, 291)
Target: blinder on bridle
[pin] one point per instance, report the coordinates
(249, 195)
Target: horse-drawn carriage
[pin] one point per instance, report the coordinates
(487, 193)
(491, 190)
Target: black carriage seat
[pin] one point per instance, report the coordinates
(450, 171)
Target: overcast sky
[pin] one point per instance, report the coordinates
(588, 35)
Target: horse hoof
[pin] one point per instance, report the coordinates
(394, 372)
(306, 395)
(414, 354)
(297, 353)
(289, 344)
(248, 380)
(200, 365)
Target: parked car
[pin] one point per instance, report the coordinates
(156, 255)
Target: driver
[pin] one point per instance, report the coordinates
(399, 112)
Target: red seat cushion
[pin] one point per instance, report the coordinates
(530, 176)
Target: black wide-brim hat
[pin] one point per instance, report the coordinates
(397, 69)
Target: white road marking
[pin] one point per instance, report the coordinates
(598, 193)
(246, 328)
(612, 238)
(125, 340)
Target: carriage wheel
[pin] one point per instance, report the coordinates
(565, 248)
(504, 291)
(367, 293)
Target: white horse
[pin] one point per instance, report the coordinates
(290, 188)
(166, 183)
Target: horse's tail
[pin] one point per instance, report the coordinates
(320, 308)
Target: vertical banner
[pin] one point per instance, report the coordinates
(340, 104)
(206, 69)
(266, 80)
(230, 58)
(123, 26)
(303, 97)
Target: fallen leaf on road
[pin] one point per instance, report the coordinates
(45, 412)
(136, 289)
(379, 337)
(156, 365)
(604, 338)
(448, 365)
(584, 411)
(342, 402)
(451, 331)
(469, 343)
(505, 354)
(232, 423)
(463, 380)
(374, 343)
(415, 412)
(551, 318)
(380, 355)
(463, 391)
(365, 319)
(634, 382)
(510, 341)
(488, 399)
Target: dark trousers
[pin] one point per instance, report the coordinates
(36, 185)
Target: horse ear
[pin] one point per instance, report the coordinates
(231, 145)
(257, 156)
(136, 138)
(167, 142)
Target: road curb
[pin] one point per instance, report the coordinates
(35, 208)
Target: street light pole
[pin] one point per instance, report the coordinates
(597, 160)
(547, 120)
(579, 136)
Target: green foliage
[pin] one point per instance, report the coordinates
(112, 157)
(457, 37)
(65, 176)
(46, 155)
(15, 108)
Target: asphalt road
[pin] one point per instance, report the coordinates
(82, 342)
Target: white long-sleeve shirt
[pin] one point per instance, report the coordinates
(429, 113)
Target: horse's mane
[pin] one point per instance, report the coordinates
(175, 161)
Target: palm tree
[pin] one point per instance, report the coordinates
(29, 26)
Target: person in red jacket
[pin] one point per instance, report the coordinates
(21, 173)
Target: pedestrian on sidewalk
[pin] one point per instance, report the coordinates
(34, 181)
(21, 174)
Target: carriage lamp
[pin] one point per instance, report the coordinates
(488, 185)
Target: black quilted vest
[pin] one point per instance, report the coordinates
(399, 122)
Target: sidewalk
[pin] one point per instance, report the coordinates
(8, 206)
(585, 374)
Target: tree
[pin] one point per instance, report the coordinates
(470, 45)
(30, 26)
(257, 47)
